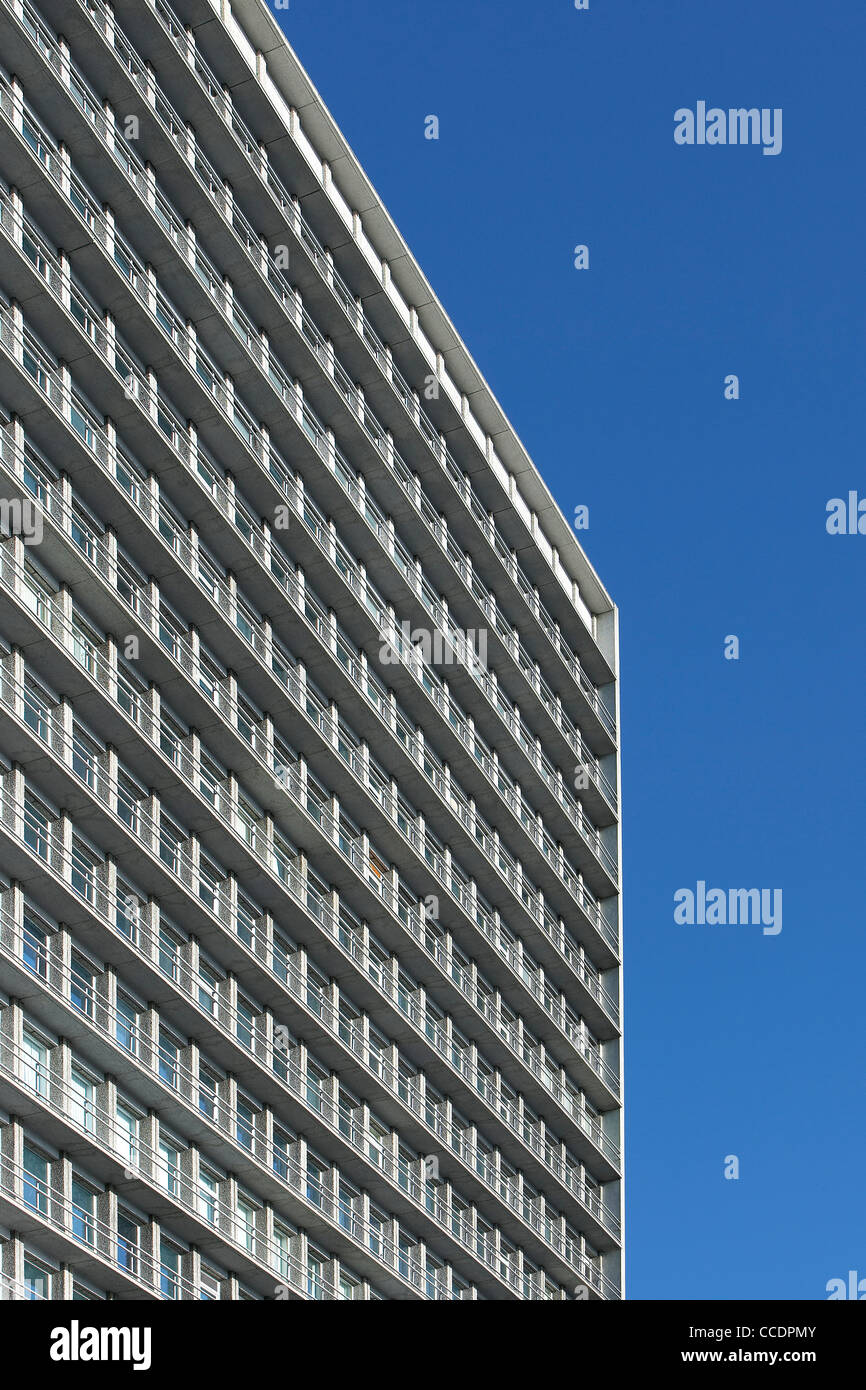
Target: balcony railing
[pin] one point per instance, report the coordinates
(46, 378)
(183, 868)
(23, 351)
(176, 127)
(400, 1172)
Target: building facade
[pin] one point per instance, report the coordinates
(309, 908)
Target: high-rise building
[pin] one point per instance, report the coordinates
(309, 912)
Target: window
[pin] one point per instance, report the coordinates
(36, 822)
(405, 1163)
(348, 1206)
(36, 368)
(405, 991)
(169, 947)
(507, 1180)
(85, 757)
(209, 1286)
(207, 1093)
(207, 1196)
(208, 988)
(459, 1218)
(246, 1224)
(168, 1167)
(435, 1278)
(247, 820)
(246, 922)
(484, 1079)
(129, 583)
(316, 1080)
(459, 1126)
(34, 1187)
(127, 1242)
(35, 946)
(171, 635)
(126, 1023)
(282, 1151)
(247, 717)
(507, 1100)
(432, 1101)
(245, 1129)
(245, 1023)
(315, 1275)
(209, 677)
(35, 594)
(284, 1043)
(128, 912)
(483, 1238)
(376, 1141)
(378, 1226)
(169, 1272)
(507, 1260)
(127, 1135)
(34, 1066)
(283, 861)
(530, 1125)
(37, 1279)
(85, 643)
(282, 1242)
(210, 778)
(406, 1083)
(131, 694)
(592, 1191)
(348, 1104)
(209, 879)
(349, 1016)
(378, 1052)
(81, 985)
(316, 1178)
(83, 1203)
(171, 840)
(128, 797)
(82, 871)
(434, 1017)
(37, 708)
(530, 1197)
(483, 1151)
(404, 1260)
(168, 1051)
(81, 1100)
(37, 475)
(378, 963)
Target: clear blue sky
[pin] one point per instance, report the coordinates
(707, 518)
